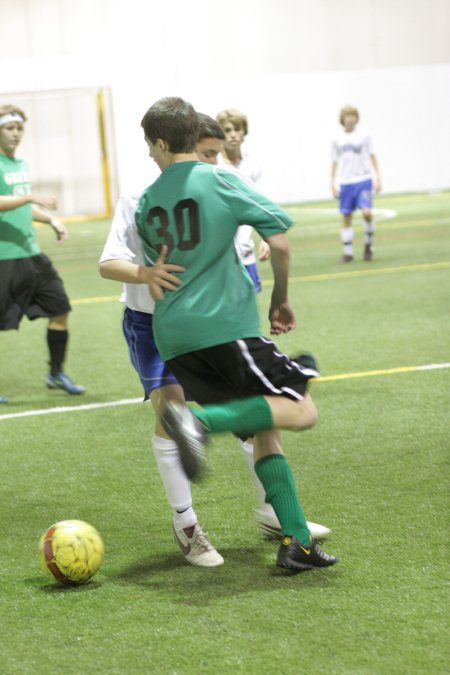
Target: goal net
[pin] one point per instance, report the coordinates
(68, 146)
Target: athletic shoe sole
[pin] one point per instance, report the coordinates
(189, 435)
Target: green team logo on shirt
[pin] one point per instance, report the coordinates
(20, 190)
(18, 182)
(13, 177)
(17, 237)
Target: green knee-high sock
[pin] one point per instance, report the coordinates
(247, 415)
(276, 476)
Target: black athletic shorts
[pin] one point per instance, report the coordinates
(30, 286)
(243, 368)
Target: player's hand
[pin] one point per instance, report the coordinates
(160, 276)
(377, 185)
(44, 200)
(264, 250)
(60, 230)
(335, 192)
(282, 319)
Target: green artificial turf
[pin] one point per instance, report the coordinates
(375, 470)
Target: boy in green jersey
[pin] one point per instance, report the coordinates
(207, 328)
(29, 284)
(121, 260)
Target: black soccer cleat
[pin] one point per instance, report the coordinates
(190, 436)
(368, 252)
(295, 556)
(307, 364)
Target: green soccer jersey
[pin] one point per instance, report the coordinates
(195, 209)
(17, 236)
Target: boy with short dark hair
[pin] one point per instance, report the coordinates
(120, 260)
(207, 330)
(210, 139)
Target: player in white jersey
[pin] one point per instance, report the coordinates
(354, 175)
(123, 249)
(122, 260)
(235, 127)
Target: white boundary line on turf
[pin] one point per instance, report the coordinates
(433, 366)
(131, 401)
(71, 408)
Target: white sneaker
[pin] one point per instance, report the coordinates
(196, 548)
(270, 526)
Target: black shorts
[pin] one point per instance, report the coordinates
(30, 286)
(243, 368)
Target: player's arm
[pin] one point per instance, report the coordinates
(44, 217)
(376, 171)
(122, 270)
(158, 277)
(117, 261)
(10, 202)
(334, 189)
(281, 315)
(264, 250)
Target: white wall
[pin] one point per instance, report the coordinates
(289, 64)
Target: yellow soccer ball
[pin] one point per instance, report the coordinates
(71, 551)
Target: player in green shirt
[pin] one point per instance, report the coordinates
(29, 284)
(207, 328)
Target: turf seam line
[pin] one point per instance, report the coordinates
(443, 264)
(388, 371)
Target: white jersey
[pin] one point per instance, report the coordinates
(352, 151)
(247, 167)
(123, 243)
(250, 169)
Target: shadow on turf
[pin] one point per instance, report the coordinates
(56, 587)
(245, 571)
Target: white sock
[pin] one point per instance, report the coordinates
(176, 485)
(247, 451)
(347, 240)
(369, 230)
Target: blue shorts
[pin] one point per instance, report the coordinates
(144, 354)
(253, 271)
(354, 196)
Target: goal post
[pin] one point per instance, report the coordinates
(106, 178)
(69, 148)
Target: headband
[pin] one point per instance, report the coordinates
(10, 117)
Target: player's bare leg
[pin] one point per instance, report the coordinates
(57, 340)
(293, 415)
(347, 238)
(369, 231)
(158, 397)
(298, 550)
